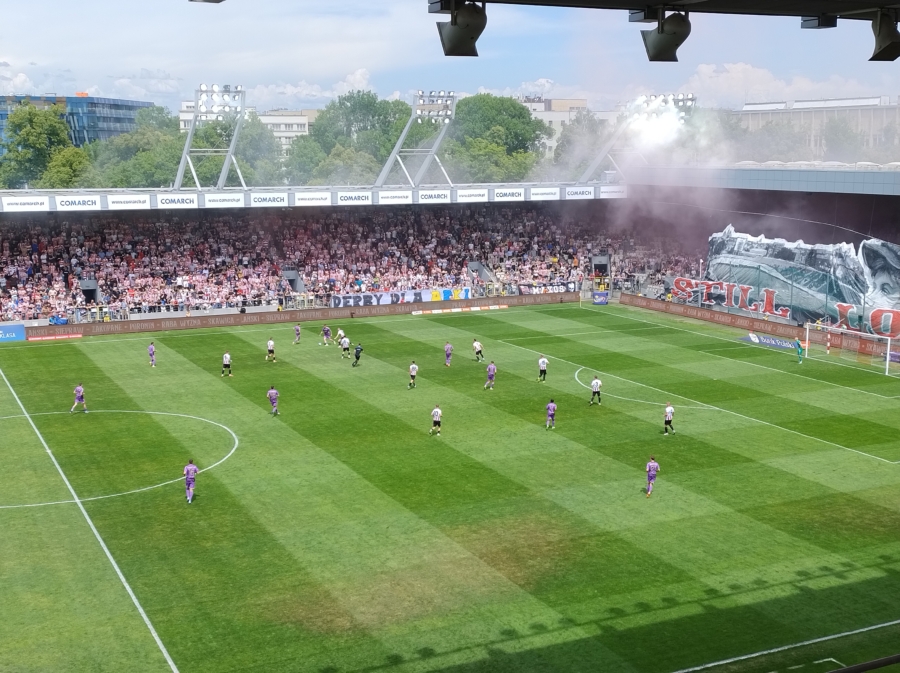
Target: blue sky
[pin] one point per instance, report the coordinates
(292, 53)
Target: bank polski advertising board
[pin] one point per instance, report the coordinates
(402, 297)
(12, 333)
(128, 201)
(224, 200)
(25, 204)
(312, 198)
(78, 202)
(354, 198)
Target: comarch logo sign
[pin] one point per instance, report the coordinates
(471, 195)
(128, 201)
(12, 333)
(177, 201)
(312, 198)
(545, 193)
(509, 194)
(262, 200)
(224, 200)
(78, 203)
(576, 193)
(394, 196)
(434, 196)
(25, 204)
(354, 198)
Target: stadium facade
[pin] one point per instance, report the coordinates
(89, 118)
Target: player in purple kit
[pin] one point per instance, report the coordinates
(151, 351)
(326, 334)
(551, 415)
(190, 474)
(273, 399)
(448, 354)
(492, 372)
(296, 334)
(79, 398)
(652, 469)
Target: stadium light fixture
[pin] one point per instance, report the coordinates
(467, 22)
(662, 42)
(213, 103)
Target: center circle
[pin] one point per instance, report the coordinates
(230, 453)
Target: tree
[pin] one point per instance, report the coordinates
(346, 166)
(68, 168)
(481, 160)
(842, 143)
(304, 156)
(477, 116)
(32, 137)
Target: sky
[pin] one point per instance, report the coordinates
(302, 53)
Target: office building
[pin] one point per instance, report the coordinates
(89, 118)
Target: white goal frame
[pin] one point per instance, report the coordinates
(825, 335)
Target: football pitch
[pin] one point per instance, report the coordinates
(341, 537)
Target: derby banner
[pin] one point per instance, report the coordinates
(403, 297)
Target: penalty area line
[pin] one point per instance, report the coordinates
(90, 522)
(785, 648)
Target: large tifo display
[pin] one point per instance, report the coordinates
(836, 284)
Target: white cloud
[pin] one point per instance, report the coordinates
(18, 83)
(733, 84)
(266, 96)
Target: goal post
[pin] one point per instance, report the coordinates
(872, 350)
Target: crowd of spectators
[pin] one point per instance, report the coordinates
(152, 263)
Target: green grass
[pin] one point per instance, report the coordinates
(340, 537)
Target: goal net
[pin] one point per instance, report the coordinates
(869, 351)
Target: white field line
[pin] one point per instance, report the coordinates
(754, 364)
(109, 556)
(784, 648)
(709, 406)
(632, 399)
(137, 490)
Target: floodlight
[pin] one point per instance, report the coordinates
(458, 37)
(226, 87)
(227, 108)
(671, 96)
(432, 93)
(215, 87)
(447, 121)
(451, 93)
(220, 118)
(887, 39)
(690, 103)
(216, 108)
(690, 95)
(662, 42)
(421, 101)
(418, 111)
(203, 87)
(203, 96)
(226, 97)
(237, 109)
(441, 93)
(681, 121)
(202, 108)
(238, 88)
(421, 93)
(419, 120)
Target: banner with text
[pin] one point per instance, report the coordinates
(404, 297)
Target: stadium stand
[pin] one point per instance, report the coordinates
(212, 260)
